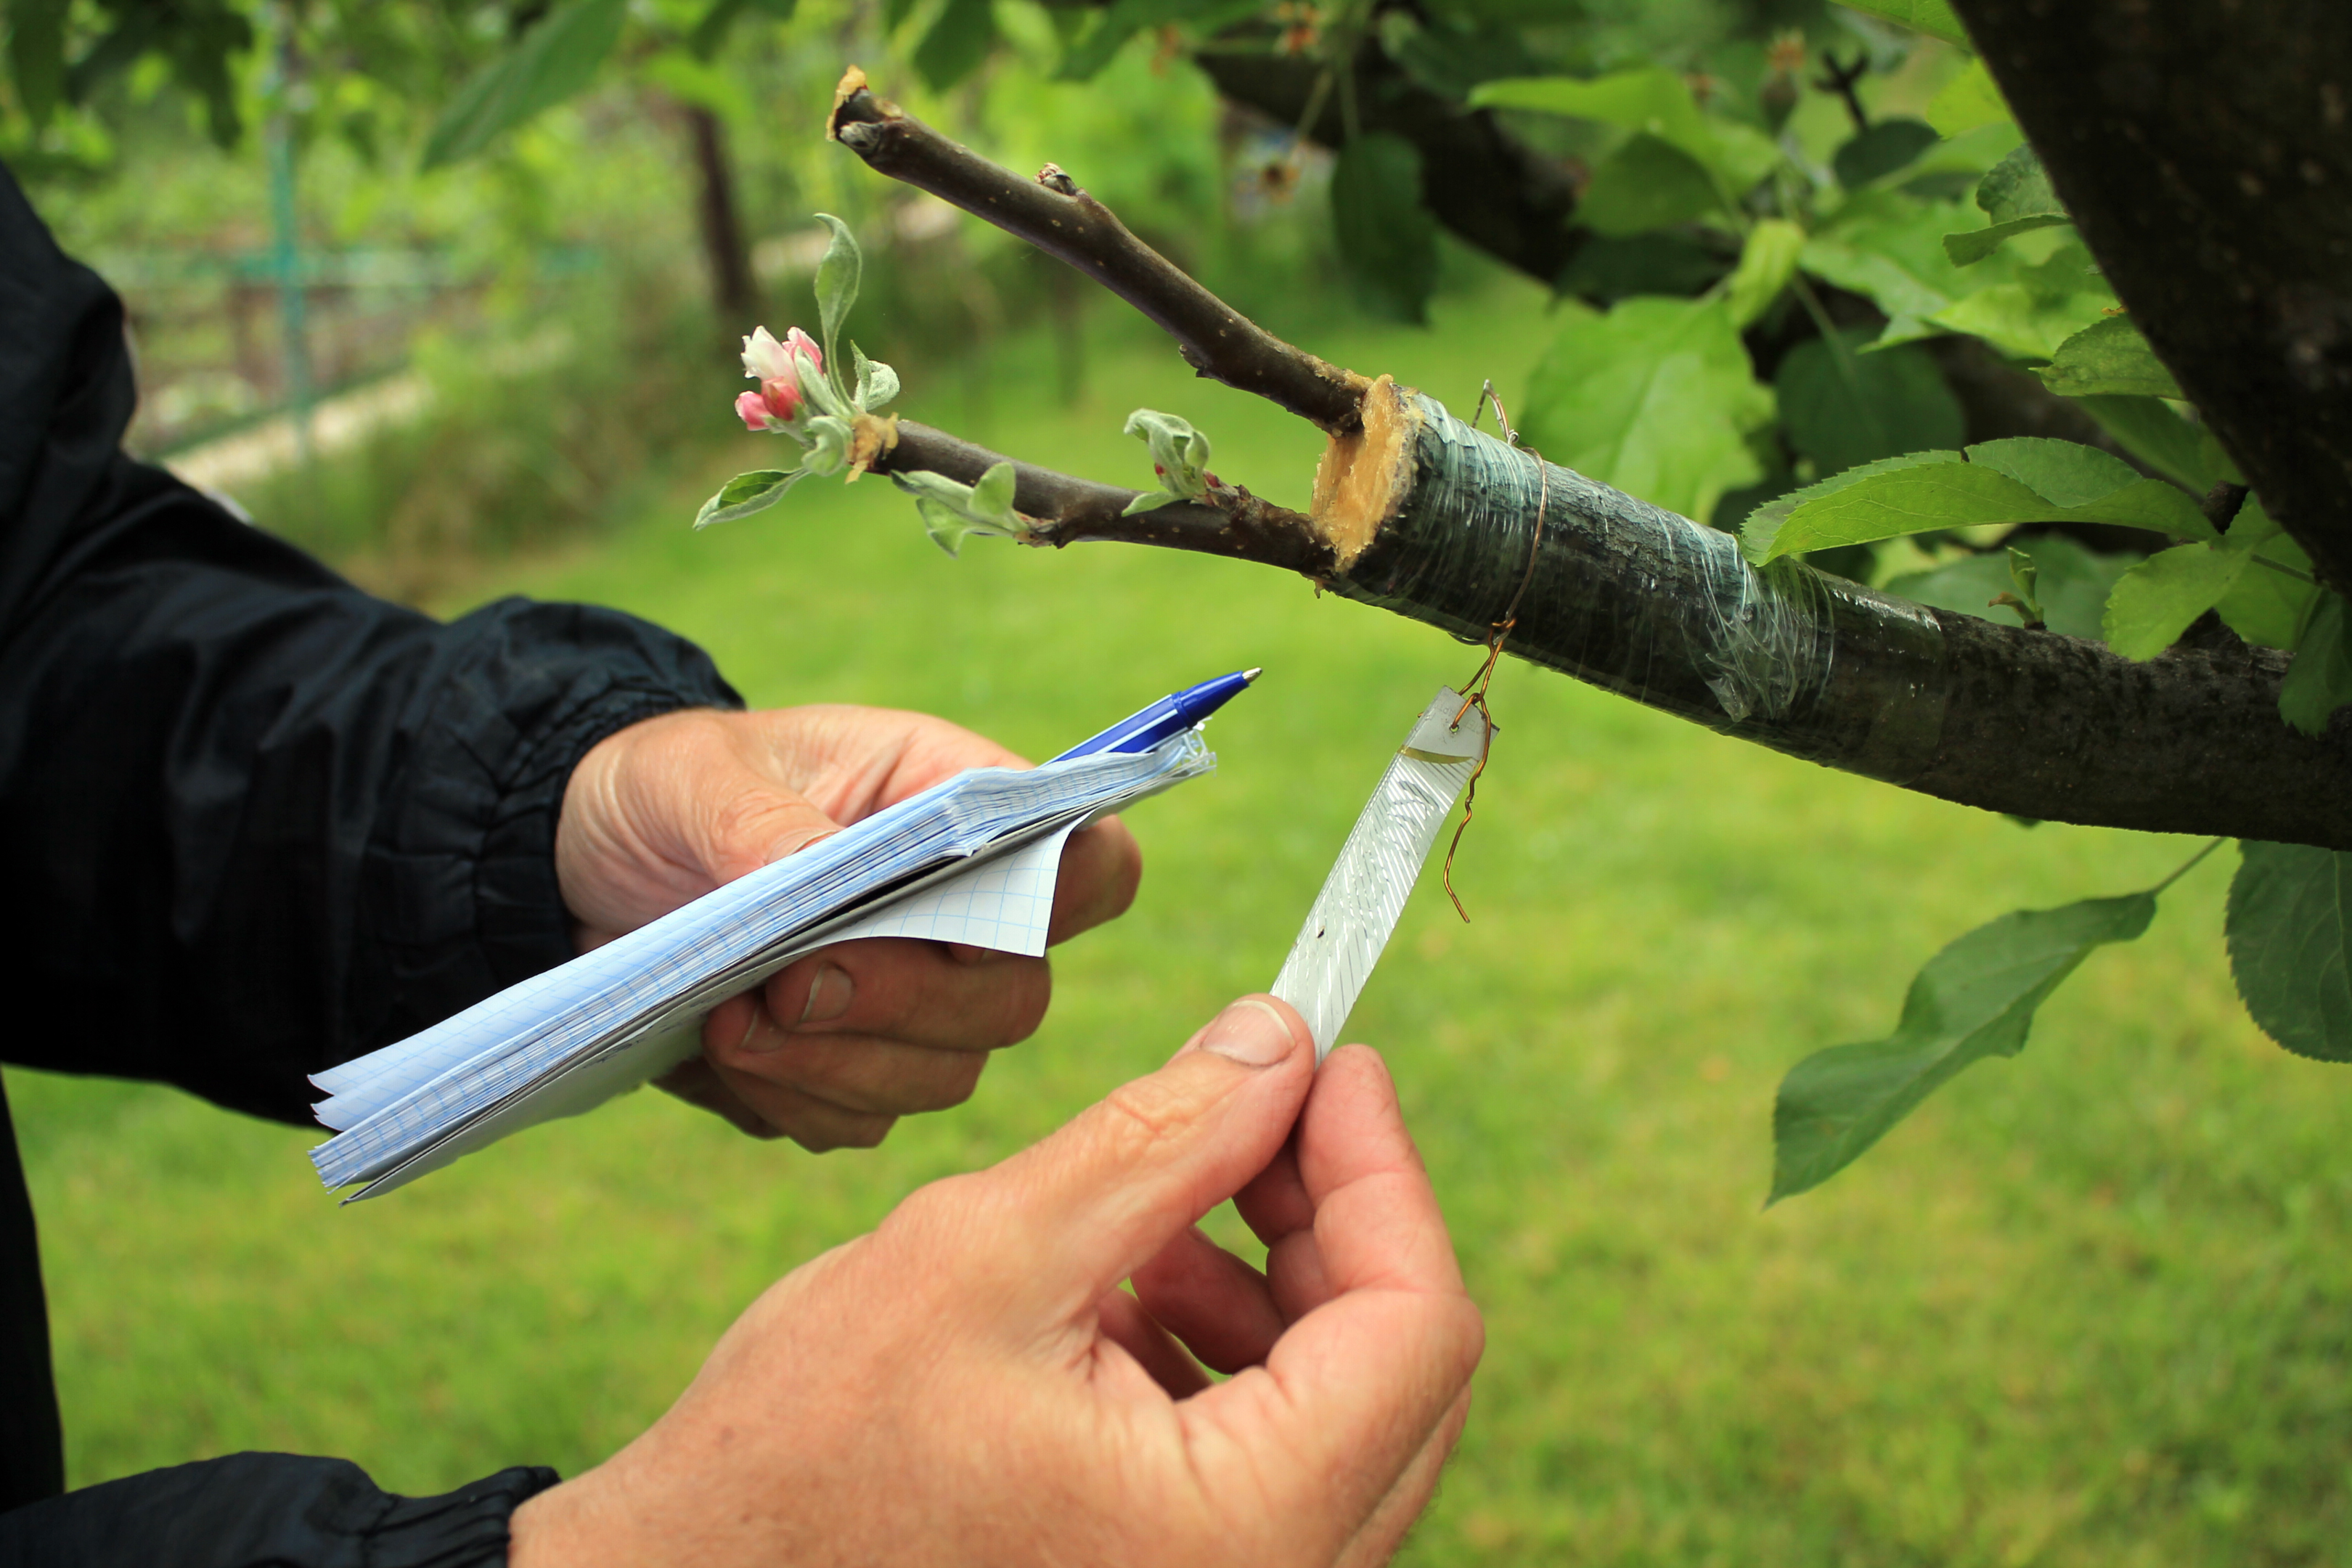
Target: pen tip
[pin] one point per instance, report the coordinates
(1250, 676)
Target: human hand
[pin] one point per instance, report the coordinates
(967, 1385)
(838, 1045)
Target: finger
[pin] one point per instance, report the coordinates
(1377, 1539)
(1102, 868)
(814, 1124)
(1275, 1204)
(1217, 1305)
(899, 988)
(856, 1072)
(1351, 1391)
(696, 1082)
(1082, 1210)
(1125, 1324)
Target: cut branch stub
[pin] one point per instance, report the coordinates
(1053, 213)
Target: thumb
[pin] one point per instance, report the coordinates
(1091, 1204)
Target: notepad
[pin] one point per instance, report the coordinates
(972, 861)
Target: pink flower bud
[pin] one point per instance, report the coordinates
(753, 410)
(782, 398)
(799, 343)
(766, 359)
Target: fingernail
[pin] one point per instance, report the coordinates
(829, 994)
(752, 1041)
(1250, 1032)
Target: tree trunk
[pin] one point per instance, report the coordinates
(734, 295)
(2205, 152)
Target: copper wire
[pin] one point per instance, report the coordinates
(1501, 632)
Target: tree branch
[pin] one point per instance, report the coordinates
(1054, 215)
(1417, 513)
(2205, 153)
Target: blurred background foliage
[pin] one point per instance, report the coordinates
(465, 335)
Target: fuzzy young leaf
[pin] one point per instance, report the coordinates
(2155, 600)
(1654, 397)
(2109, 356)
(2288, 943)
(556, 58)
(1766, 261)
(878, 385)
(1179, 454)
(836, 287)
(952, 511)
(2319, 680)
(1975, 999)
(1387, 239)
(1149, 500)
(745, 494)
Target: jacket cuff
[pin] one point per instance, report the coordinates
(457, 1530)
(463, 891)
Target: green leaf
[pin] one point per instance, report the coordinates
(953, 511)
(2149, 430)
(2018, 188)
(1766, 261)
(2022, 321)
(2109, 356)
(37, 56)
(957, 42)
(1966, 101)
(1149, 500)
(1972, 246)
(1656, 397)
(2072, 583)
(837, 275)
(1975, 999)
(1451, 55)
(1881, 149)
(2319, 679)
(2267, 606)
(1845, 409)
(557, 58)
(1179, 454)
(1926, 497)
(1097, 46)
(1606, 270)
(1650, 100)
(1647, 183)
(2155, 600)
(2286, 946)
(745, 494)
(1387, 239)
(1764, 523)
(2066, 472)
(2287, 941)
(877, 386)
(1933, 18)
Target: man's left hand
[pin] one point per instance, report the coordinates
(838, 1045)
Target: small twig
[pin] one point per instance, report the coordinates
(1066, 509)
(1052, 214)
(1841, 80)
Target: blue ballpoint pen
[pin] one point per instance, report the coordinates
(1147, 727)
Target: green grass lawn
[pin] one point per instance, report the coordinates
(2089, 1306)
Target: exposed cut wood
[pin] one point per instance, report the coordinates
(1365, 473)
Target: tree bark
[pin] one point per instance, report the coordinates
(2205, 152)
(734, 293)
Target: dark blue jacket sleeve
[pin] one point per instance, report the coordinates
(253, 822)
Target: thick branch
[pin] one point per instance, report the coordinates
(1476, 178)
(1054, 215)
(1662, 610)
(2206, 154)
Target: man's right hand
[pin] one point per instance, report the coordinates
(967, 1385)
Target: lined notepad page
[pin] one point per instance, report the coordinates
(972, 860)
